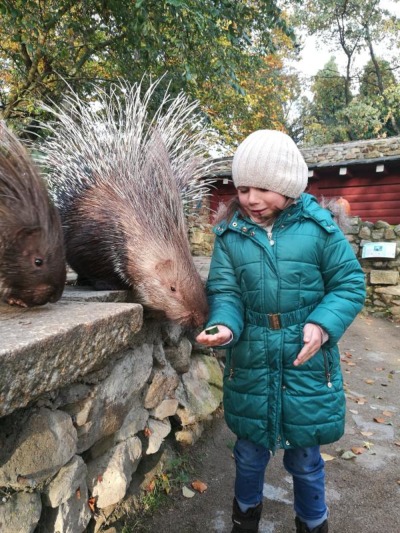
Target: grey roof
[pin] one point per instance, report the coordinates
(372, 151)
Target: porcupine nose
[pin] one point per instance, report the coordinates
(42, 294)
(56, 295)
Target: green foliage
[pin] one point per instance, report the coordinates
(363, 120)
(198, 45)
(329, 93)
(370, 84)
(323, 123)
(267, 91)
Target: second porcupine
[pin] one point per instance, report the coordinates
(121, 180)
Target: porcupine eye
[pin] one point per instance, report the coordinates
(38, 261)
(173, 289)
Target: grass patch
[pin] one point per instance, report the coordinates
(178, 472)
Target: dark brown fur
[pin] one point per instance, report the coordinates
(32, 259)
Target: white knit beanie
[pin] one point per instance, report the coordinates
(270, 159)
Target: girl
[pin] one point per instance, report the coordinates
(284, 284)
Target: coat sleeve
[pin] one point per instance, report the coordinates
(223, 293)
(344, 282)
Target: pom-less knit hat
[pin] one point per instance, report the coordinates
(270, 160)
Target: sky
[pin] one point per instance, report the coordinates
(315, 54)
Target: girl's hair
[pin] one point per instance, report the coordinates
(226, 211)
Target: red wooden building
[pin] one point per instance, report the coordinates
(366, 173)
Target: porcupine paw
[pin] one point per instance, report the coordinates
(16, 301)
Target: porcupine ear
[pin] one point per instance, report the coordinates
(164, 266)
(165, 270)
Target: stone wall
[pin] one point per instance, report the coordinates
(88, 390)
(333, 154)
(382, 274)
(371, 149)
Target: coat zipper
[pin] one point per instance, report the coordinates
(327, 370)
(232, 367)
(269, 229)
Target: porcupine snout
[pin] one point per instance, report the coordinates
(175, 288)
(198, 309)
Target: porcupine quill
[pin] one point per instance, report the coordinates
(122, 182)
(32, 257)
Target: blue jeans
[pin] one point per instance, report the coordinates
(304, 464)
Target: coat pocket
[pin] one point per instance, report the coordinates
(328, 365)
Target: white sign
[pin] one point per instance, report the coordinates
(379, 249)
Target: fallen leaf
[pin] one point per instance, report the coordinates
(361, 401)
(78, 493)
(327, 457)
(353, 411)
(187, 492)
(147, 432)
(369, 381)
(348, 455)
(397, 443)
(379, 369)
(348, 354)
(357, 450)
(92, 504)
(199, 486)
(388, 413)
(350, 363)
(380, 420)
(368, 445)
(151, 486)
(366, 433)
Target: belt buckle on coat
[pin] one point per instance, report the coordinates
(274, 321)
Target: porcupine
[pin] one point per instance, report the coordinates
(32, 257)
(122, 180)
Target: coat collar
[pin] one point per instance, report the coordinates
(306, 207)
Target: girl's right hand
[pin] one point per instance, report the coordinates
(223, 336)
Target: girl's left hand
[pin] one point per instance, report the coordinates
(312, 338)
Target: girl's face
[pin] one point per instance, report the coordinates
(261, 204)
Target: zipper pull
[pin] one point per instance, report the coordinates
(328, 378)
(231, 373)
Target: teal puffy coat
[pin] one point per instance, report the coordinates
(309, 274)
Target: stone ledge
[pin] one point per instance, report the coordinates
(74, 293)
(62, 341)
